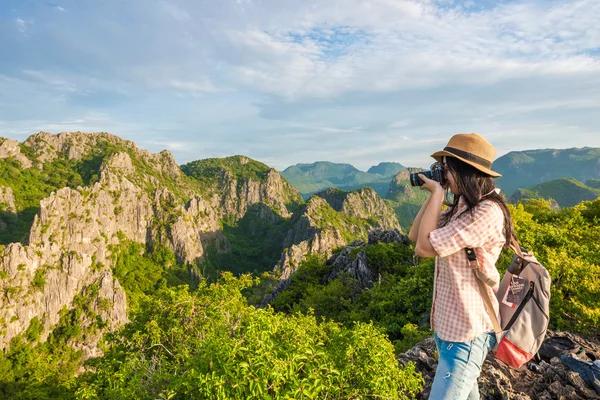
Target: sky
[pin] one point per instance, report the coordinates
(299, 81)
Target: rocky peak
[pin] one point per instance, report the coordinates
(239, 182)
(11, 148)
(362, 203)
(77, 145)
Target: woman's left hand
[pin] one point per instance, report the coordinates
(431, 185)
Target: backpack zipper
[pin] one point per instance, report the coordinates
(520, 308)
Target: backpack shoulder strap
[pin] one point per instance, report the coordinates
(481, 279)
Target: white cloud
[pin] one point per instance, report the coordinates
(21, 25)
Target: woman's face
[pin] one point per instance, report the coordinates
(450, 179)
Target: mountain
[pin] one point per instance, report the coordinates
(386, 169)
(524, 169)
(90, 225)
(567, 192)
(406, 200)
(312, 178)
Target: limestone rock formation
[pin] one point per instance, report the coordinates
(332, 219)
(234, 195)
(546, 379)
(351, 260)
(363, 203)
(7, 206)
(70, 243)
(11, 148)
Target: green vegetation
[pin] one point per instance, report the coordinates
(402, 297)
(208, 171)
(566, 242)
(45, 371)
(143, 270)
(256, 241)
(209, 344)
(566, 191)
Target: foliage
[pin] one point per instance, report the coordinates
(566, 191)
(47, 370)
(255, 240)
(209, 170)
(566, 242)
(143, 270)
(29, 187)
(403, 295)
(210, 344)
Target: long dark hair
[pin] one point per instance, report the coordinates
(476, 186)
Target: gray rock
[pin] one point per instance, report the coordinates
(551, 379)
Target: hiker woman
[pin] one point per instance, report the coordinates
(479, 219)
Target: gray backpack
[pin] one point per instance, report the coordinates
(524, 298)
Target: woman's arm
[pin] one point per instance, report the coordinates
(430, 218)
(414, 229)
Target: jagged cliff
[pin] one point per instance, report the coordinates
(331, 219)
(73, 236)
(237, 182)
(114, 193)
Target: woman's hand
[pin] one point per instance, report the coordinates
(431, 185)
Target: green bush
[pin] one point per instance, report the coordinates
(210, 344)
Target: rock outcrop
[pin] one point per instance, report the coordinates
(8, 209)
(351, 260)
(234, 195)
(332, 219)
(363, 203)
(12, 148)
(546, 378)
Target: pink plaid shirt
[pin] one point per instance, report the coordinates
(458, 313)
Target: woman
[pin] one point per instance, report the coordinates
(479, 219)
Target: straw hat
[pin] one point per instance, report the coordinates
(471, 149)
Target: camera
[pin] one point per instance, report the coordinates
(436, 173)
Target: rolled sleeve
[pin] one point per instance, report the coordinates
(468, 230)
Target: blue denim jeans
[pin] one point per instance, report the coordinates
(459, 367)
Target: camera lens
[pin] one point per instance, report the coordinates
(415, 180)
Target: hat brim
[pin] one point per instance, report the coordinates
(439, 154)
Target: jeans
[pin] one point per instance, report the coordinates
(459, 367)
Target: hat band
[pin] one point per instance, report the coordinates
(469, 156)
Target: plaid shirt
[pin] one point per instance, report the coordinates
(458, 313)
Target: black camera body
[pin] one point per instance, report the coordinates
(436, 173)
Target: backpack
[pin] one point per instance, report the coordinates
(524, 299)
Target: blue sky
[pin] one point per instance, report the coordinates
(288, 81)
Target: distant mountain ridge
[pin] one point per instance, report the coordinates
(567, 192)
(312, 178)
(525, 169)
